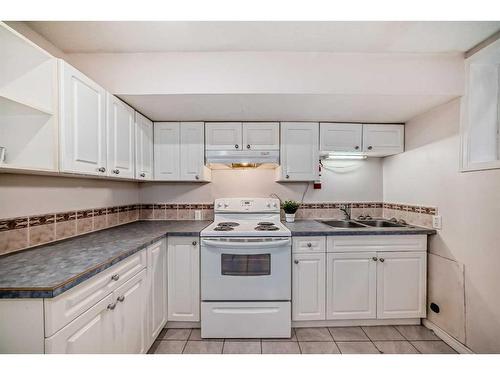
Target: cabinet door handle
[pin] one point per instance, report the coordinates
(236, 146)
(248, 146)
(116, 171)
(143, 174)
(370, 147)
(296, 261)
(197, 177)
(121, 299)
(287, 176)
(382, 260)
(309, 244)
(375, 259)
(112, 306)
(102, 169)
(356, 147)
(115, 277)
(195, 243)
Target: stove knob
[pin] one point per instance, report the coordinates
(275, 205)
(226, 205)
(268, 205)
(219, 205)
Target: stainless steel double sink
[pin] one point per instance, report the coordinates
(375, 223)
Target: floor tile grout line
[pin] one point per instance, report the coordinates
(187, 340)
(369, 338)
(418, 351)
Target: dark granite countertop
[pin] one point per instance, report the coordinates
(48, 270)
(317, 228)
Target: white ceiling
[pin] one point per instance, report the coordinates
(334, 36)
(284, 107)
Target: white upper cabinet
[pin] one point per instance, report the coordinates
(143, 147)
(223, 135)
(179, 152)
(261, 136)
(120, 127)
(82, 123)
(299, 151)
(337, 137)
(351, 289)
(166, 150)
(192, 151)
(383, 140)
(401, 284)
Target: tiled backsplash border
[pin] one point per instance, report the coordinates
(24, 232)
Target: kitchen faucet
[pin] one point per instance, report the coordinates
(346, 209)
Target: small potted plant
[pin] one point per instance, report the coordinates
(290, 207)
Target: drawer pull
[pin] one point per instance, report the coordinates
(375, 259)
(382, 260)
(195, 243)
(296, 261)
(121, 299)
(309, 244)
(115, 277)
(112, 306)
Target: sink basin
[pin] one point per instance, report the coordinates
(382, 224)
(343, 224)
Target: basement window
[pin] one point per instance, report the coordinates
(480, 117)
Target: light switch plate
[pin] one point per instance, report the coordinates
(436, 222)
(197, 214)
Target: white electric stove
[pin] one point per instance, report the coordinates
(246, 271)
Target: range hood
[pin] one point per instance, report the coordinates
(240, 159)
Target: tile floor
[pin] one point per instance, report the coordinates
(333, 340)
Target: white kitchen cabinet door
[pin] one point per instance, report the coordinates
(299, 151)
(261, 136)
(120, 127)
(183, 279)
(90, 333)
(401, 285)
(223, 135)
(82, 123)
(308, 286)
(130, 315)
(192, 151)
(337, 137)
(157, 291)
(351, 286)
(383, 140)
(143, 147)
(166, 150)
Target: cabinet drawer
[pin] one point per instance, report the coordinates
(343, 244)
(62, 309)
(309, 244)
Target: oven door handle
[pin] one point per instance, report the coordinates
(246, 245)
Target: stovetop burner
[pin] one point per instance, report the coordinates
(224, 228)
(266, 228)
(265, 223)
(228, 224)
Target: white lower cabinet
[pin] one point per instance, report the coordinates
(130, 315)
(401, 285)
(351, 286)
(157, 292)
(308, 286)
(183, 279)
(90, 333)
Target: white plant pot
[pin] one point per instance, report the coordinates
(289, 218)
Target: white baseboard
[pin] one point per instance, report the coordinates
(183, 325)
(451, 341)
(354, 322)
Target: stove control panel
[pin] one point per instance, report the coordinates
(247, 205)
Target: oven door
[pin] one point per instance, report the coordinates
(245, 269)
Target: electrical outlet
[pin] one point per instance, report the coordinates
(197, 214)
(436, 222)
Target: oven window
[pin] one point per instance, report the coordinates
(246, 265)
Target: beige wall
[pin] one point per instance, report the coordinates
(22, 195)
(351, 181)
(463, 267)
